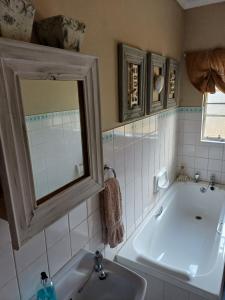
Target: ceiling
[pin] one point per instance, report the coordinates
(186, 4)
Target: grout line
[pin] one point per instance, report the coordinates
(46, 249)
(17, 274)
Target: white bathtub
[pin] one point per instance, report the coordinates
(184, 246)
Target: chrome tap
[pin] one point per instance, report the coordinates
(98, 261)
(98, 267)
(212, 182)
(196, 177)
(159, 212)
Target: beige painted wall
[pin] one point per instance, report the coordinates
(204, 28)
(155, 25)
(44, 96)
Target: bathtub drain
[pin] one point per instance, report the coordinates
(198, 217)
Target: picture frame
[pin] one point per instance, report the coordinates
(172, 83)
(131, 82)
(156, 74)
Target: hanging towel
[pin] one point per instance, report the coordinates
(111, 213)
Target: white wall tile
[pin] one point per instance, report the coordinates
(10, 291)
(197, 156)
(94, 224)
(79, 237)
(78, 214)
(29, 278)
(92, 204)
(119, 138)
(33, 249)
(129, 163)
(201, 163)
(214, 165)
(189, 150)
(4, 233)
(189, 138)
(120, 166)
(59, 254)
(216, 152)
(202, 151)
(56, 231)
(138, 199)
(7, 265)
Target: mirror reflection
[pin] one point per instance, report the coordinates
(53, 124)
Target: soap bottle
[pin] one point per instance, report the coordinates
(46, 290)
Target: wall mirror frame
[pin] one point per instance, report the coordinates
(156, 66)
(172, 83)
(29, 61)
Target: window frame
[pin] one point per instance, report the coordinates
(208, 139)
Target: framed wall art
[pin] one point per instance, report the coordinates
(172, 83)
(131, 82)
(156, 72)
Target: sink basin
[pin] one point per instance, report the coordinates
(120, 283)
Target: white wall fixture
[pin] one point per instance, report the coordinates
(161, 180)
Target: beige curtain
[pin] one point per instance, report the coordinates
(206, 70)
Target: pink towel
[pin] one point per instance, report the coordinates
(111, 213)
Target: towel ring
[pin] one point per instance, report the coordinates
(106, 167)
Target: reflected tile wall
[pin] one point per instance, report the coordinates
(194, 155)
(136, 151)
(46, 133)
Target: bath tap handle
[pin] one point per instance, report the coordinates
(220, 228)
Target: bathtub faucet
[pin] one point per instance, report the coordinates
(159, 212)
(212, 182)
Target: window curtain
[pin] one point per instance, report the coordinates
(206, 70)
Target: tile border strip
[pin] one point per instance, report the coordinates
(39, 117)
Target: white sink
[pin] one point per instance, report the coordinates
(120, 283)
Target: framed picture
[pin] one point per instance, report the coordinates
(132, 82)
(156, 72)
(172, 81)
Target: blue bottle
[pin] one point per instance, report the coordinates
(46, 290)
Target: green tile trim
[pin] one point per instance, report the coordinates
(107, 136)
(46, 116)
(189, 109)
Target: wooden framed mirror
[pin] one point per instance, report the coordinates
(50, 131)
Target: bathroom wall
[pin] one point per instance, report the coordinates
(137, 151)
(196, 156)
(150, 25)
(204, 29)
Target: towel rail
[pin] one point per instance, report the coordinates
(106, 167)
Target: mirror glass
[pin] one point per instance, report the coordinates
(52, 111)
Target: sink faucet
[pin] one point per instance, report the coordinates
(98, 261)
(98, 267)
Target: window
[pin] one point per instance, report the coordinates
(213, 117)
